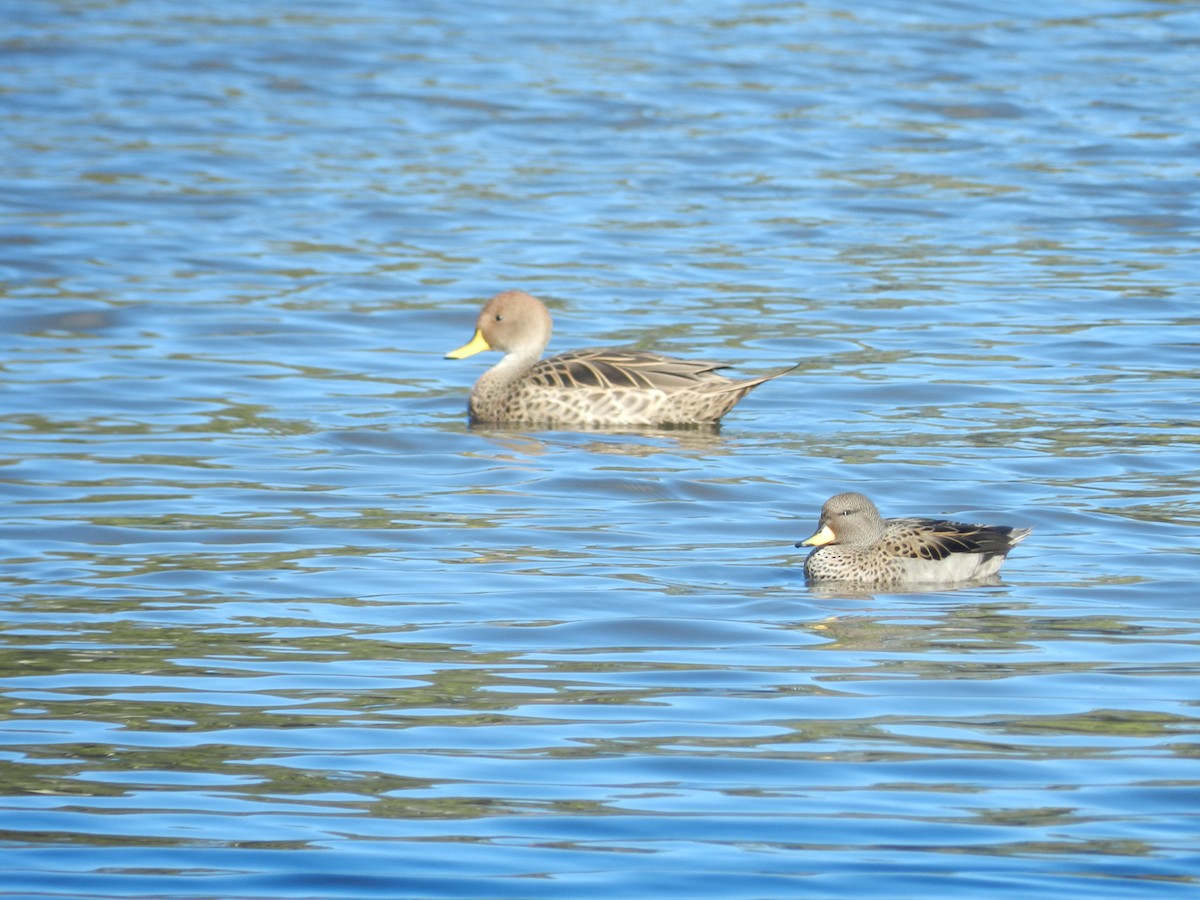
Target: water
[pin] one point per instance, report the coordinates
(278, 623)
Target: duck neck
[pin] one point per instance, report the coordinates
(499, 381)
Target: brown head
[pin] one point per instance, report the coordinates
(511, 322)
(850, 519)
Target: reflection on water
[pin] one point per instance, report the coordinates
(276, 621)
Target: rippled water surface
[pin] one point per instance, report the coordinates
(277, 623)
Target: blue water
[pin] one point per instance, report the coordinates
(276, 622)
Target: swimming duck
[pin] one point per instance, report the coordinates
(855, 544)
(592, 387)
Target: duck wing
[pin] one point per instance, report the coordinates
(606, 368)
(935, 539)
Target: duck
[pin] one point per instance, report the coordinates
(853, 543)
(592, 387)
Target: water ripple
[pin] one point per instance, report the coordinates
(278, 622)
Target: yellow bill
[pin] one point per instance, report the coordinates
(820, 539)
(476, 345)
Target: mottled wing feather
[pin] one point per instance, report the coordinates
(607, 368)
(935, 539)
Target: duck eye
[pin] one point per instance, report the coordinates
(846, 512)
(499, 317)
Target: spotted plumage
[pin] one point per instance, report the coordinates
(591, 387)
(855, 544)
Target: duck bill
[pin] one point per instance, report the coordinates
(476, 345)
(820, 539)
